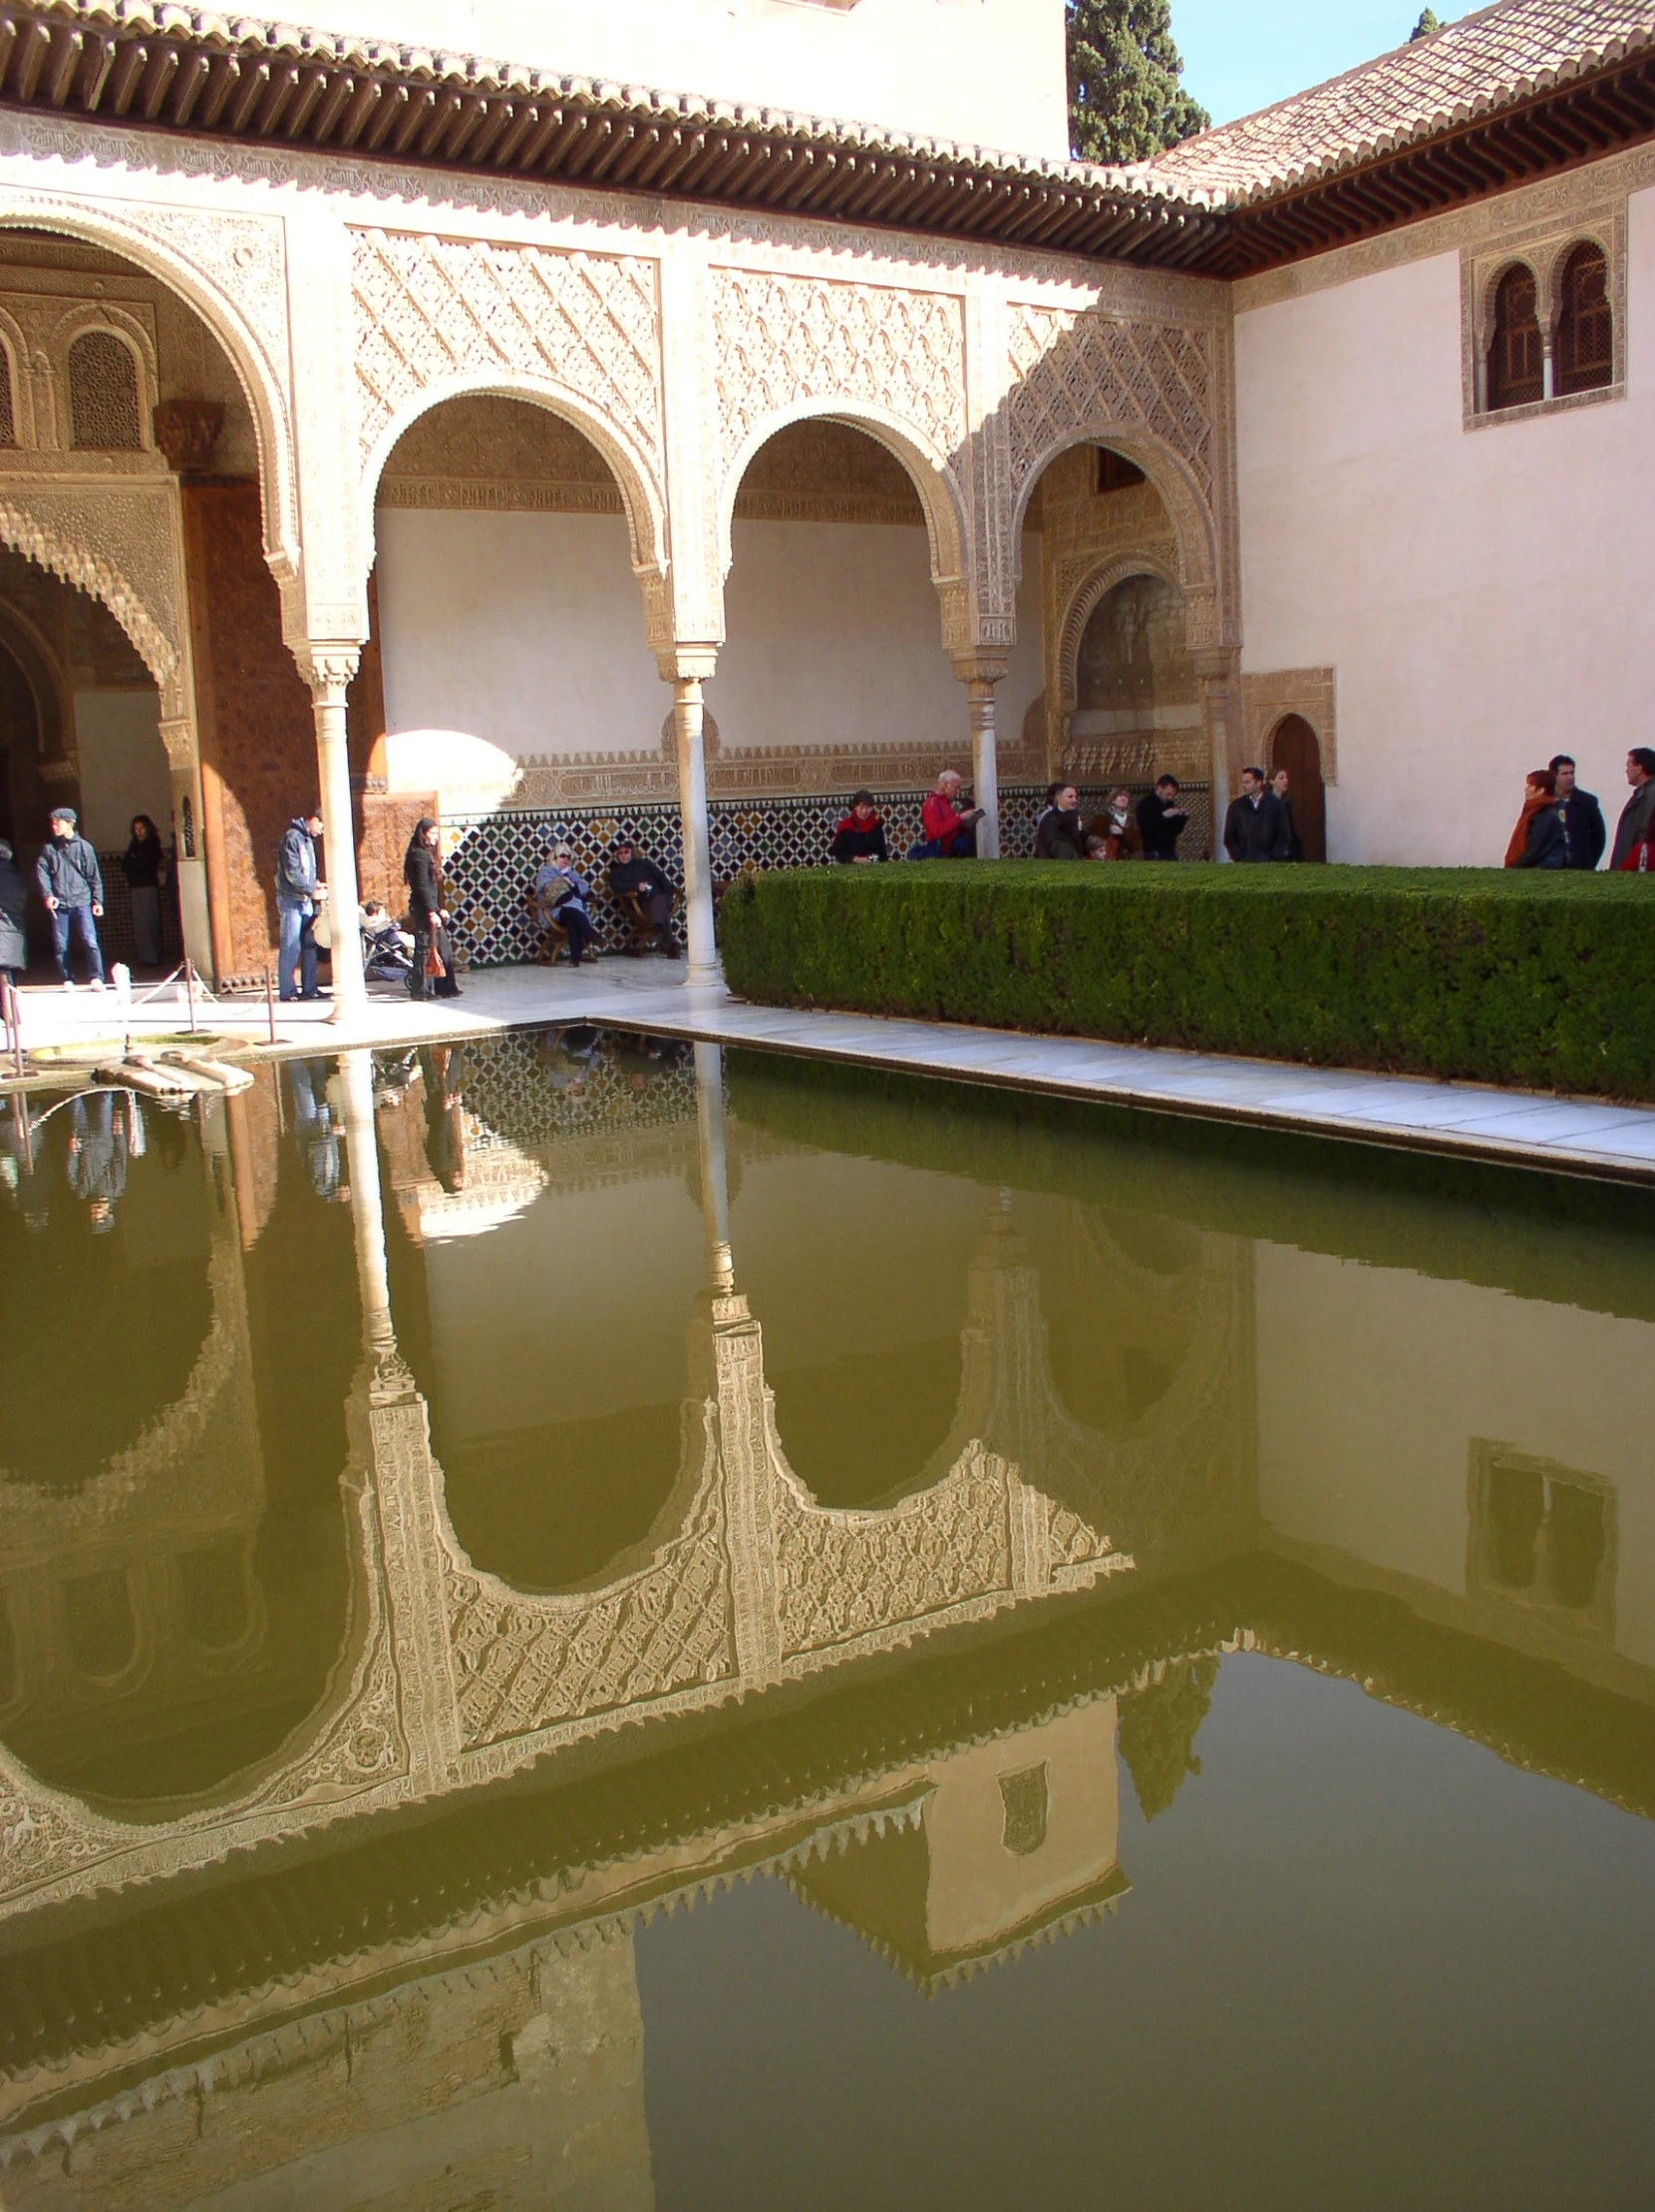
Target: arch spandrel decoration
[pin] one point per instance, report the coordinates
(1157, 393)
(232, 270)
(577, 332)
(874, 357)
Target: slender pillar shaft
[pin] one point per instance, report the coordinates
(328, 670)
(985, 773)
(356, 1078)
(715, 1176)
(687, 717)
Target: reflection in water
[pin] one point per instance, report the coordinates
(569, 1475)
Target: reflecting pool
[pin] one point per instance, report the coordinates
(1136, 1641)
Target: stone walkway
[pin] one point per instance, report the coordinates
(1471, 1120)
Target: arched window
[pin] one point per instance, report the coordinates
(103, 394)
(1586, 327)
(1516, 373)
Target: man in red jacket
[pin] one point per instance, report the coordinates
(949, 829)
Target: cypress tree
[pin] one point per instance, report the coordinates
(1427, 24)
(1124, 99)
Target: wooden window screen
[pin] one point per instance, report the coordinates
(1587, 328)
(1517, 372)
(8, 406)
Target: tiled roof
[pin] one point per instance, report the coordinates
(1480, 66)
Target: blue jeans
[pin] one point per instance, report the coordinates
(79, 920)
(298, 950)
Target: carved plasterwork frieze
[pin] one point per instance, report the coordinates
(443, 312)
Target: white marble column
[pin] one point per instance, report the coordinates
(687, 671)
(1220, 694)
(715, 1176)
(356, 1081)
(980, 674)
(328, 670)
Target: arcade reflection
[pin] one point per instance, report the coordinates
(452, 1506)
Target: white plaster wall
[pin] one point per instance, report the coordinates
(1373, 1384)
(1483, 595)
(510, 636)
(123, 764)
(505, 637)
(988, 72)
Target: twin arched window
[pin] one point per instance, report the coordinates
(1583, 357)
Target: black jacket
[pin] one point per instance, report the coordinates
(1058, 837)
(852, 842)
(424, 878)
(1256, 833)
(68, 872)
(1634, 823)
(141, 862)
(637, 878)
(1161, 823)
(1583, 830)
(1546, 848)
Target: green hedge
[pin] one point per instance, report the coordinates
(1542, 980)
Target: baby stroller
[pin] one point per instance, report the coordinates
(386, 951)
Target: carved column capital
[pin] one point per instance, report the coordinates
(973, 665)
(687, 664)
(327, 666)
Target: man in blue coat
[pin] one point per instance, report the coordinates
(71, 885)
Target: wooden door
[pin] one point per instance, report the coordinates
(1294, 747)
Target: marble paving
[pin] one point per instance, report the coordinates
(1580, 1135)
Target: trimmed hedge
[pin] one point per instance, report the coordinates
(1488, 974)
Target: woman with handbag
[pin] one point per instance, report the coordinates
(422, 871)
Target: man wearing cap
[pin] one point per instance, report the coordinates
(71, 885)
(632, 876)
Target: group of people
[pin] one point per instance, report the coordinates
(1563, 826)
(69, 881)
(948, 826)
(562, 896)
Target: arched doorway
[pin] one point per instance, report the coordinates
(1295, 746)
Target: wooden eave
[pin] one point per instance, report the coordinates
(147, 64)
(1553, 130)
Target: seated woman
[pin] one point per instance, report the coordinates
(1117, 829)
(560, 895)
(1539, 840)
(860, 836)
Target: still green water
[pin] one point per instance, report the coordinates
(1136, 1642)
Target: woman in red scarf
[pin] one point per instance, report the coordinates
(1538, 842)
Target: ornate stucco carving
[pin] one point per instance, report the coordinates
(441, 315)
(118, 543)
(1078, 374)
(1268, 698)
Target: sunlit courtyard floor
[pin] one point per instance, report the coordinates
(1468, 1119)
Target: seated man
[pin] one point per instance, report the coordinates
(633, 878)
(949, 829)
(559, 896)
(860, 836)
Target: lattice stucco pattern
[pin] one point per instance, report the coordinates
(528, 1663)
(492, 857)
(427, 309)
(783, 339)
(1075, 371)
(846, 1575)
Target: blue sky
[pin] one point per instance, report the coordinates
(1239, 55)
